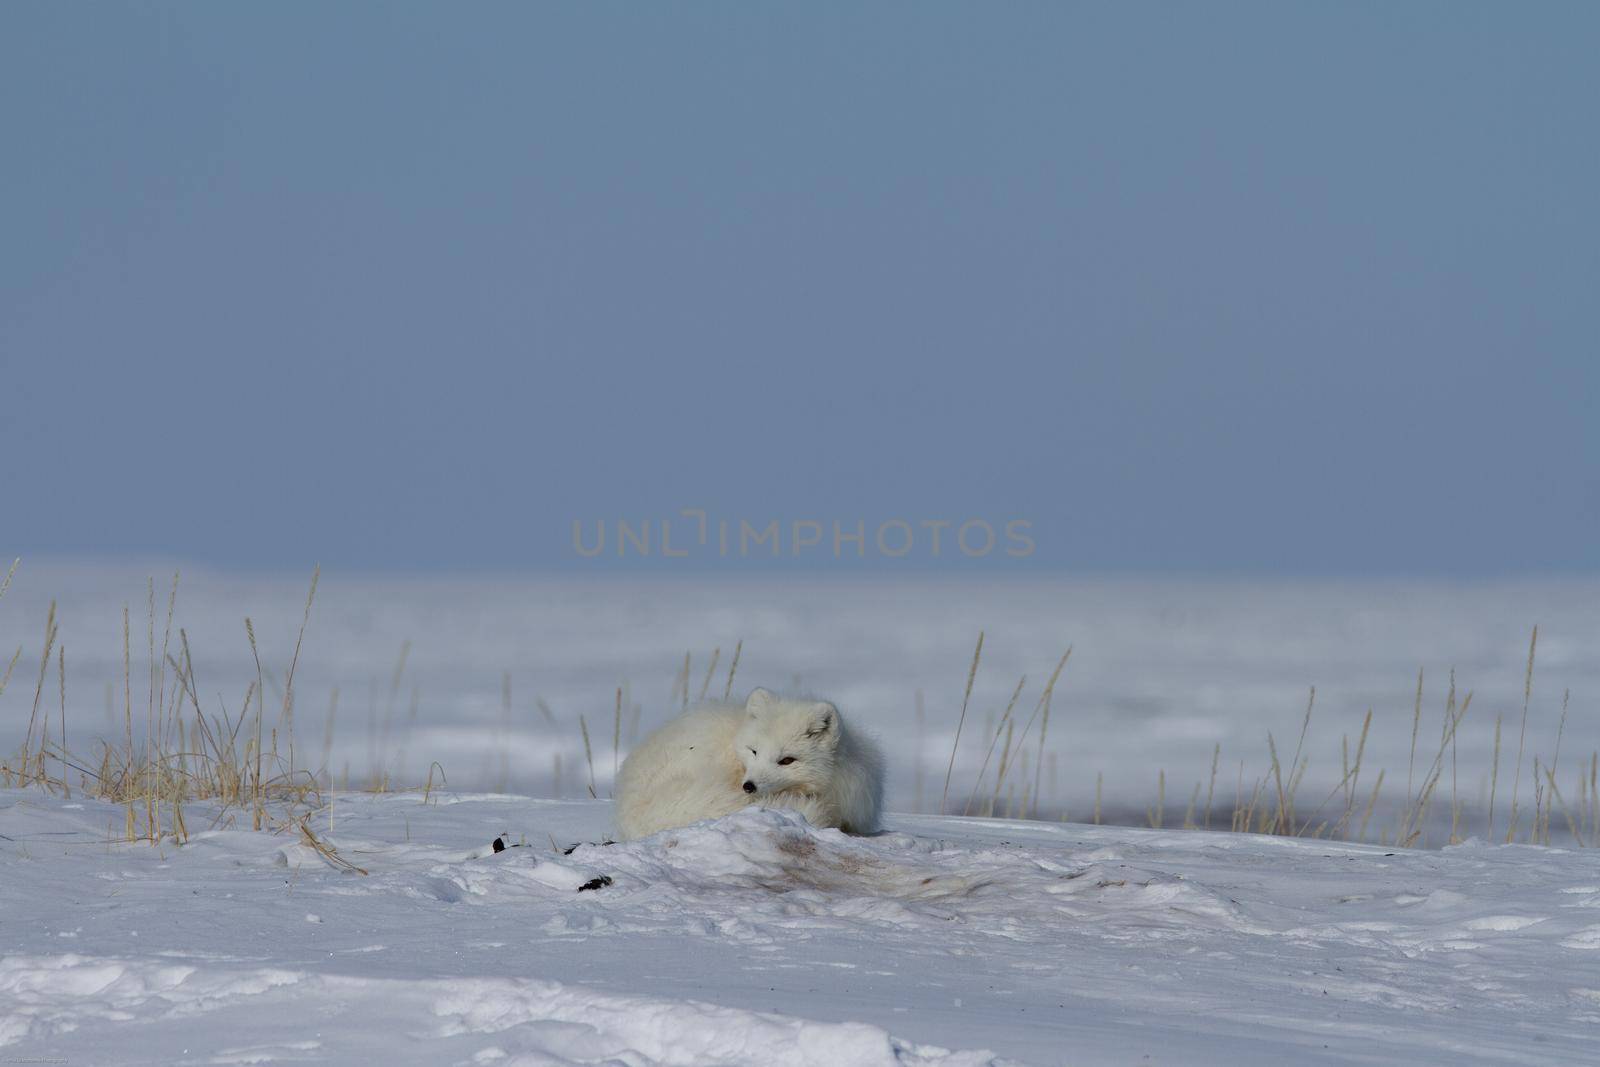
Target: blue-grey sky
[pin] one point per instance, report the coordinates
(1215, 287)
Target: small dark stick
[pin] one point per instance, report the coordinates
(570, 849)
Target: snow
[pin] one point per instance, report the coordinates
(759, 939)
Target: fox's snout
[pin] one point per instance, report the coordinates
(749, 787)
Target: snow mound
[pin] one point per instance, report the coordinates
(542, 1019)
(531, 1022)
(759, 939)
(778, 851)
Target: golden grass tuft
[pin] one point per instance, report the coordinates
(185, 755)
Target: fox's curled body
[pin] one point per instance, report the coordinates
(771, 752)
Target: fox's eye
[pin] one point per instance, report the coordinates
(785, 761)
(753, 752)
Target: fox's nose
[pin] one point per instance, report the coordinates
(749, 787)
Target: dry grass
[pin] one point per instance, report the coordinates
(185, 755)
(1271, 804)
(246, 765)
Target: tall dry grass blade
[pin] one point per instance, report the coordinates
(1494, 773)
(1538, 804)
(733, 666)
(1449, 705)
(189, 681)
(1344, 762)
(1355, 776)
(1411, 817)
(1581, 797)
(1216, 755)
(127, 714)
(1156, 815)
(427, 787)
(711, 670)
(257, 810)
(972, 673)
(161, 670)
(1415, 820)
(616, 736)
(1045, 699)
(1455, 802)
(993, 741)
(38, 690)
(1305, 724)
(1295, 779)
(918, 770)
(1594, 795)
(1572, 824)
(1527, 694)
(1038, 759)
(1416, 723)
(61, 666)
(5, 679)
(206, 741)
(1342, 786)
(1238, 798)
(294, 661)
(149, 786)
(1555, 760)
(1277, 777)
(1361, 835)
(1247, 818)
(588, 754)
(4, 585)
(1000, 773)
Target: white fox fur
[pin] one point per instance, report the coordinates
(772, 752)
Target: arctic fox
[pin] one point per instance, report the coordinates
(771, 752)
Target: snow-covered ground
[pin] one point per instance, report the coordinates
(758, 940)
(1162, 669)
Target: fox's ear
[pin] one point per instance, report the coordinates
(824, 720)
(760, 700)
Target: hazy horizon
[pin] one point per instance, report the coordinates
(162, 567)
